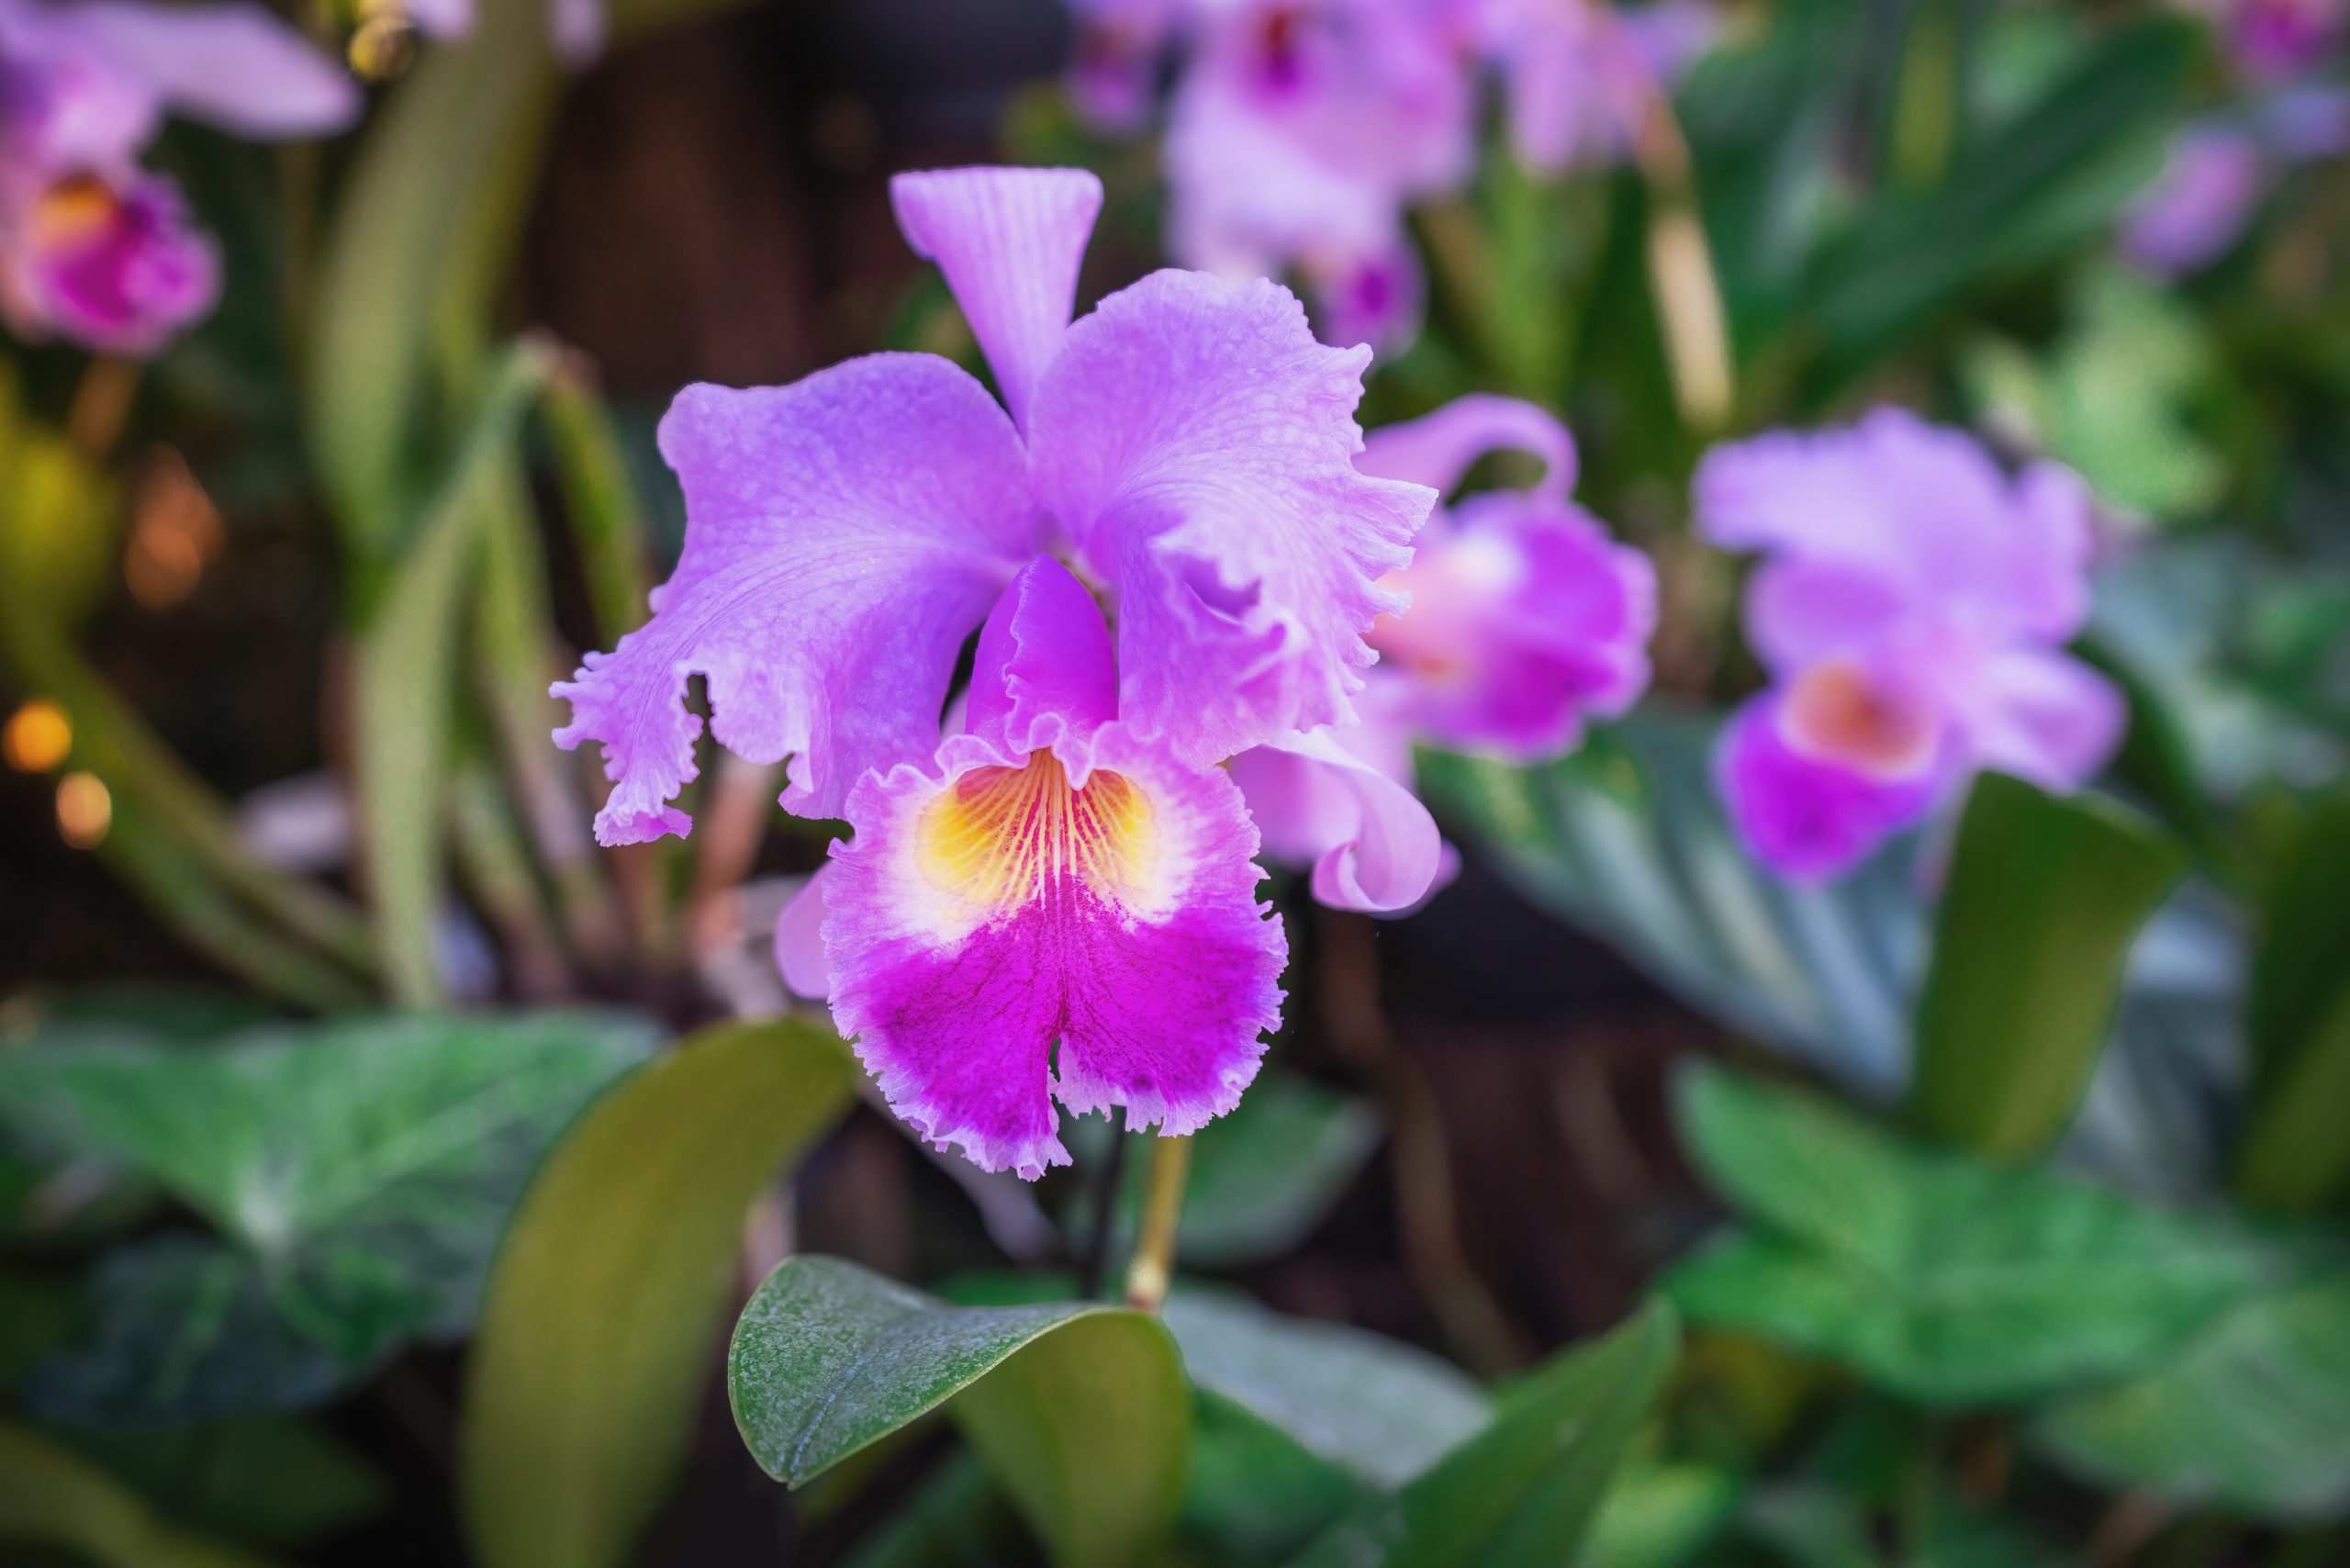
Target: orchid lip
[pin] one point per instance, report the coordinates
(1837, 713)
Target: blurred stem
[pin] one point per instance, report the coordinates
(497, 867)
(1107, 1180)
(1680, 266)
(1927, 97)
(514, 657)
(599, 500)
(102, 404)
(1162, 1213)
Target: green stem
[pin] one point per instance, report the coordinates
(1154, 1266)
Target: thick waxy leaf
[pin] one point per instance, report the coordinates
(50, 1497)
(583, 1381)
(1626, 839)
(2044, 898)
(1079, 1409)
(2252, 1416)
(1382, 1410)
(1523, 1491)
(358, 1172)
(1940, 1277)
(1255, 1494)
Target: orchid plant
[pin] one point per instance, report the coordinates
(1685, 500)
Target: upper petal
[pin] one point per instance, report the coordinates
(1199, 446)
(844, 535)
(1326, 799)
(1009, 241)
(1436, 449)
(235, 66)
(1083, 923)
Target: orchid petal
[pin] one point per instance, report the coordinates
(1198, 445)
(235, 66)
(1009, 241)
(1809, 820)
(1438, 449)
(845, 534)
(1320, 799)
(800, 953)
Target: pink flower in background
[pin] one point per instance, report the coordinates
(2218, 174)
(1301, 131)
(1911, 611)
(1526, 618)
(576, 29)
(91, 246)
(2270, 40)
(1578, 76)
(1057, 900)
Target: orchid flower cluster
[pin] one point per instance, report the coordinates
(2219, 171)
(1300, 131)
(1911, 611)
(93, 246)
(1171, 546)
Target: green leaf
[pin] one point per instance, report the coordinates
(359, 1170)
(957, 1519)
(2044, 898)
(1944, 1279)
(2030, 188)
(1627, 839)
(1659, 1516)
(2294, 1153)
(1381, 1410)
(433, 188)
(584, 1379)
(406, 686)
(2253, 1417)
(1079, 1409)
(1524, 1490)
(271, 1479)
(1255, 1493)
(50, 1497)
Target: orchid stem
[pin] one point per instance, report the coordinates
(1154, 1266)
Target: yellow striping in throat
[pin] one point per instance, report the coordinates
(1002, 837)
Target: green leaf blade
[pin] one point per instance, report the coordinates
(1523, 1492)
(2045, 897)
(583, 1381)
(1088, 1431)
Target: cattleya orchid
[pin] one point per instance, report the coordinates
(1911, 612)
(1053, 895)
(1300, 131)
(1524, 620)
(91, 247)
